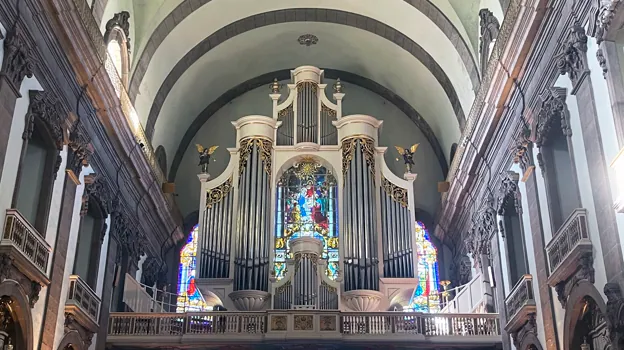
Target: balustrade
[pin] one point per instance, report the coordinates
(30, 251)
(568, 245)
(520, 303)
(83, 303)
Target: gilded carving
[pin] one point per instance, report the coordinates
(327, 323)
(572, 60)
(349, 146)
(304, 322)
(6, 318)
(285, 112)
(265, 149)
(45, 108)
(398, 194)
(18, 60)
(218, 193)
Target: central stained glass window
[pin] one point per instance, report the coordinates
(426, 296)
(189, 296)
(306, 207)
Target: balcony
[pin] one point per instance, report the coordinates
(83, 304)
(197, 330)
(29, 250)
(569, 244)
(520, 304)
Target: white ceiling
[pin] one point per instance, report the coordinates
(275, 47)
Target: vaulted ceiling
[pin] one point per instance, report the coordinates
(186, 54)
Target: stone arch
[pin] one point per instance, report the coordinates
(72, 341)
(117, 33)
(21, 311)
(574, 308)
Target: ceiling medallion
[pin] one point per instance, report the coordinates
(308, 39)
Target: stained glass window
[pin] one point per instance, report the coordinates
(189, 297)
(306, 206)
(426, 296)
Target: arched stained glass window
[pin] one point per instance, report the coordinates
(306, 206)
(426, 296)
(189, 297)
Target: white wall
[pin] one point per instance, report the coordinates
(397, 129)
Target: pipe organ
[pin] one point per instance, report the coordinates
(306, 215)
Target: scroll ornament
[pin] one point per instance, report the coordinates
(265, 148)
(349, 146)
(218, 193)
(398, 194)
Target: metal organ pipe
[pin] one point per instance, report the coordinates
(397, 236)
(216, 228)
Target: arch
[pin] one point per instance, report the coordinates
(289, 163)
(299, 15)
(530, 342)
(161, 159)
(72, 341)
(284, 74)
(574, 306)
(117, 42)
(169, 23)
(21, 309)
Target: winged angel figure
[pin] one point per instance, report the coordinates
(408, 155)
(204, 156)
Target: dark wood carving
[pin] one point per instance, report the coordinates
(18, 61)
(573, 57)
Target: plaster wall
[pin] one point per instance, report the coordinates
(397, 129)
(71, 255)
(606, 126)
(528, 241)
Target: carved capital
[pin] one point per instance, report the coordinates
(128, 236)
(521, 150)
(604, 15)
(98, 190)
(573, 57)
(615, 312)
(529, 328)
(18, 61)
(553, 111)
(479, 237)
(508, 193)
(45, 109)
(80, 149)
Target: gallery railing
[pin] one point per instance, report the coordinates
(84, 298)
(520, 303)
(21, 235)
(568, 244)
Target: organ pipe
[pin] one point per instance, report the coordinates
(216, 228)
(307, 112)
(286, 132)
(360, 213)
(251, 266)
(396, 233)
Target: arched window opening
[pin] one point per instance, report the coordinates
(512, 232)
(591, 328)
(426, 296)
(118, 54)
(306, 206)
(88, 248)
(118, 45)
(38, 164)
(190, 298)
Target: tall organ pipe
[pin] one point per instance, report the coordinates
(216, 233)
(397, 239)
(251, 264)
(361, 255)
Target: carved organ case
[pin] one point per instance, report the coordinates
(306, 214)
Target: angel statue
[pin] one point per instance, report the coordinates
(408, 155)
(204, 156)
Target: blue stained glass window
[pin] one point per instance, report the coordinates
(189, 296)
(426, 296)
(306, 206)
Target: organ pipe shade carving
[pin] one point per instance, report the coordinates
(398, 194)
(218, 193)
(307, 205)
(307, 112)
(359, 215)
(216, 232)
(265, 147)
(286, 131)
(189, 298)
(397, 237)
(251, 265)
(426, 296)
(349, 147)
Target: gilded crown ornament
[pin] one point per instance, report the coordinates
(338, 86)
(275, 86)
(204, 156)
(408, 155)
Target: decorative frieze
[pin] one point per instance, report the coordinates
(97, 189)
(490, 28)
(573, 57)
(349, 146)
(18, 61)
